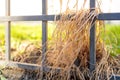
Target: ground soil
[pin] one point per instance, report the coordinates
(30, 54)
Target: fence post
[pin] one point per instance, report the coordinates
(44, 35)
(7, 32)
(92, 40)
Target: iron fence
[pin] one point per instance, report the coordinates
(44, 18)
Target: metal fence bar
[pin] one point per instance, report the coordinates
(115, 77)
(44, 35)
(92, 41)
(28, 66)
(30, 18)
(7, 34)
(109, 16)
(101, 16)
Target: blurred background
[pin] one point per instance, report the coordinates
(33, 7)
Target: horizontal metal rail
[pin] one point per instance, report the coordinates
(115, 77)
(28, 66)
(109, 16)
(30, 18)
(101, 16)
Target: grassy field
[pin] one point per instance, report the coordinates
(112, 39)
(32, 32)
(21, 32)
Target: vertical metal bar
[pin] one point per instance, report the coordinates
(7, 34)
(92, 4)
(44, 35)
(92, 40)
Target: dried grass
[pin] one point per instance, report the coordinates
(70, 42)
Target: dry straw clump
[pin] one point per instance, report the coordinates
(70, 43)
(71, 39)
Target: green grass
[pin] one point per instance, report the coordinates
(28, 32)
(2, 36)
(2, 32)
(112, 39)
(22, 32)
